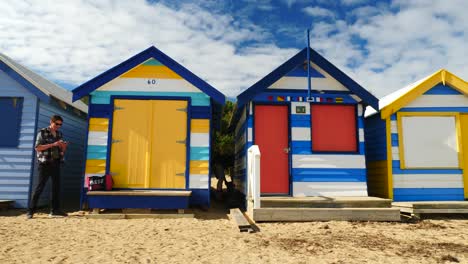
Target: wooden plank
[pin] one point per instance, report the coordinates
(325, 202)
(136, 211)
(140, 193)
(239, 219)
(440, 211)
(5, 204)
(326, 214)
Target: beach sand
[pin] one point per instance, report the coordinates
(211, 237)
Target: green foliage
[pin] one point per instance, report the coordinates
(223, 147)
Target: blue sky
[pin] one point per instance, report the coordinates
(383, 45)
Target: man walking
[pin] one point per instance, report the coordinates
(50, 149)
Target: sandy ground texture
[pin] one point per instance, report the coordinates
(211, 237)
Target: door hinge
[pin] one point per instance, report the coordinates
(180, 174)
(182, 109)
(118, 108)
(116, 141)
(181, 141)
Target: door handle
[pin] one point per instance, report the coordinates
(286, 150)
(180, 174)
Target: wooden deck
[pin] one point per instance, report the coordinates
(301, 209)
(6, 204)
(418, 209)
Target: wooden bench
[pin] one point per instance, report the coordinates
(152, 199)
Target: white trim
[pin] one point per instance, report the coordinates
(198, 181)
(439, 100)
(427, 181)
(329, 161)
(97, 138)
(141, 85)
(249, 134)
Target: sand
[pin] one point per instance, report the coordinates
(211, 237)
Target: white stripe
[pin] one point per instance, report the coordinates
(97, 138)
(359, 109)
(8, 189)
(294, 104)
(300, 133)
(198, 181)
(427, 181)
(329, 161)
(300, 83)
(439, 100)
(250, 109)
(395, 153)
(6, 182)
(141, 85)
(249, 134)
(199, 139)
(355, 97)
(393, 126)
(301, 189)
(361, 135)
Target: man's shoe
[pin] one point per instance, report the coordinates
(57, 214)
(29, 214)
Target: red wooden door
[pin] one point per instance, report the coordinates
(272, 137)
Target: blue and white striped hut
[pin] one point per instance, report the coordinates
(27, 101)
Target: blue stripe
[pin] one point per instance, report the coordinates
(328, 175)
(100, 149)
(393, 117)
(301, 147)
(395, 143)
(300, 117)
(394, 136)
(362, 148)
(199, 153)
(103, 97)
(250, 122)
(200, 112)
(435, 109)
(96, 156)
(397, 170)
(249, 144)
(360, 122)
(100, 110)
(442, 90)
(428, 194)
(395, 164)
(300, 123)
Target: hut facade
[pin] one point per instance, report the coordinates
(417, 143)
(27, 101)
(311, 141)
(150, 124)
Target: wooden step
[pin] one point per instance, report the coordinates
(325, 202)
(6, 204)
(436, 207)
(325, 214)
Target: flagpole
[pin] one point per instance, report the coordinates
(308, 66)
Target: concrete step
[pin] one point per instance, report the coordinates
(325, 214)
(325, 202)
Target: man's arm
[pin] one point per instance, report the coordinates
(40, 144)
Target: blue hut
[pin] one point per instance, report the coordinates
(311, 145)
(150, 125)
(27, 101)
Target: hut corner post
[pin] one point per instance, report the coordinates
(253, 178)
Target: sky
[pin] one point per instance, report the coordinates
(231, 44)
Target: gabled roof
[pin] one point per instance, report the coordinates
(152, 52)
(38, 85)
(298, 59)
(393, 102)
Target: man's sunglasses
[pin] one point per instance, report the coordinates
(58, 124)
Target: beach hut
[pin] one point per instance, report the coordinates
(150, 124)
(417, 141)
(27, 101)
(311, 142)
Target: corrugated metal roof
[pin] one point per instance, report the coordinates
(47, 87)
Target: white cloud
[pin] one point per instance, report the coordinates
(73, 41)
(398, 48)
(318, 12)
(353, 2)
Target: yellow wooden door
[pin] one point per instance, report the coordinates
(131, 137)
(169, 139)
(464, 139)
